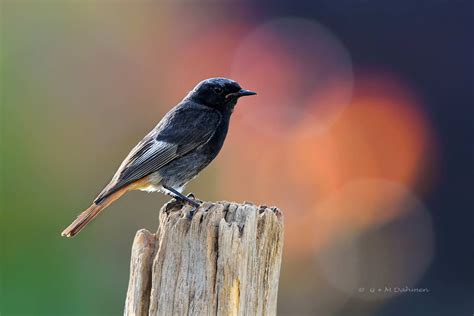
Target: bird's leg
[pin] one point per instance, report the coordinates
(184, 198)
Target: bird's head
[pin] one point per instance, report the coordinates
(218, 93)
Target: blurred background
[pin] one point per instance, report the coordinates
(362, 133)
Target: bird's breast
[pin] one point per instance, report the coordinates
(214, 145)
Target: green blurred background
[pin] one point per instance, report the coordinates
(350, 135)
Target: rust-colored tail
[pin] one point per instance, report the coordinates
(88, 215)
(82, 220)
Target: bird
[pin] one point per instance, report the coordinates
(175, 151)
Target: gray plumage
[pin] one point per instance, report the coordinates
(184, 142)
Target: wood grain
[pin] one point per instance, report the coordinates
(225, 261)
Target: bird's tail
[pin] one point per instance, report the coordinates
(88, 215)
(82, 220)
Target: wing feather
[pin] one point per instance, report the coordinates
(179, 132)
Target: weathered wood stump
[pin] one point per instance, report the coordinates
(225, 261)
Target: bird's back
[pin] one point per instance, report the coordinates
(185, 128)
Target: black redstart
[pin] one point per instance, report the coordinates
(183, 143)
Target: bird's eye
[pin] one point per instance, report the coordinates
(218, 90)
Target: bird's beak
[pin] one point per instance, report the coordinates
(241, 93)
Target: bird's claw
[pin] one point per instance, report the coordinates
(191, 199)
(192, 212)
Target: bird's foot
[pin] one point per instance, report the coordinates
(193, 211)
(190, 200)
(187, 200)
(194, 203)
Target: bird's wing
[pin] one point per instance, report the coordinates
(179, 132)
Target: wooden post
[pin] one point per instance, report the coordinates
(225, 261)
